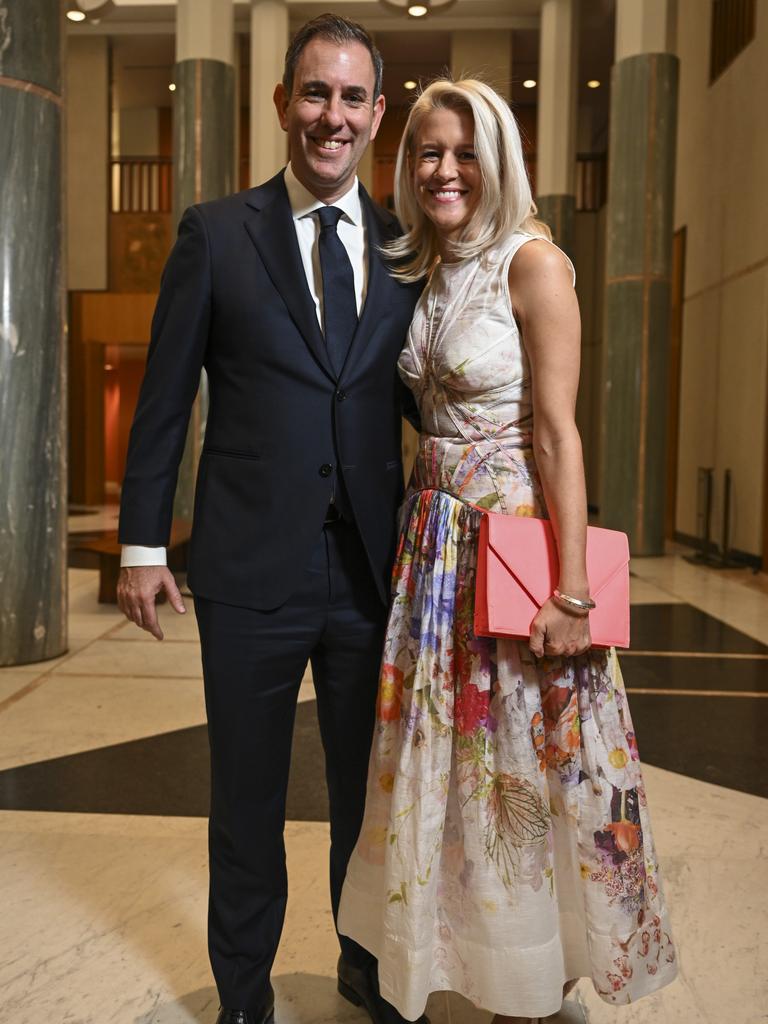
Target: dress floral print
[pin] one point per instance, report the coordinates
(506, 846)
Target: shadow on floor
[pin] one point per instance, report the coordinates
(312, 999)
(198, 1007)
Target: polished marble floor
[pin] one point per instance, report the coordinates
(103, 795)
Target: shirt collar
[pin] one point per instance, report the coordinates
(303, 203)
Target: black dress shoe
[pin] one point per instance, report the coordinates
(264, 1016)
(360, 986)
(244, 1017)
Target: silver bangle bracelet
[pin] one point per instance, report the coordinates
(574, 602)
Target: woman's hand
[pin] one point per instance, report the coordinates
(556, 631)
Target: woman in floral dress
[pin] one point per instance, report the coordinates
(506, 848)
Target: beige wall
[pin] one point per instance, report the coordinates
(722, 170)
(87, 137)
(487, 54)
(365, 169)
(139, 131)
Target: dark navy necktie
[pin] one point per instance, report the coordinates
(339, 303)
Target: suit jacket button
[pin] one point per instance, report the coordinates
(326, 470)
(340, 396)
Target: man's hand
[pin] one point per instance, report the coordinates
(137, 588)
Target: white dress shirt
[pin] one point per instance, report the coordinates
(351, 231)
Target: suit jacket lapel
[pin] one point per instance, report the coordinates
(377, 281)
(273, 233)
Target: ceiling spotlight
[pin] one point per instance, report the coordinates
(172, 87)
(529, 83)
(593, 84)
(418, 8)
(410, 84)
(91, 10)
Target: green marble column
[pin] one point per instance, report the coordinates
(204, 168)
(33, 506)
(637, 297)
(558, 213)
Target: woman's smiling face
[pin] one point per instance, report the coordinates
(446, 172)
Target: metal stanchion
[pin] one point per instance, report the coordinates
(708, 552)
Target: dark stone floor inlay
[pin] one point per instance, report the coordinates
(681, 627)
(657, 672)
(164, 775)
(716, 739)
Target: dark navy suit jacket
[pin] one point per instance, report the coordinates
(281, 426)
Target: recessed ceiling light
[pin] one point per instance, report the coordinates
(410, 84)
(172, 87)
(529, 83)
(593, 84)
(88, 10)
(415, 8)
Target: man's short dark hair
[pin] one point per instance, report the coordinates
(337, 30)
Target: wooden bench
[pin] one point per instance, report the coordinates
(108, 548)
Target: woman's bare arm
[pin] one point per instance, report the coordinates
(547, 311)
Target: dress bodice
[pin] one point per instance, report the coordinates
(466, 364)
(464, 358)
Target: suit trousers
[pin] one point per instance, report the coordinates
(253, 663)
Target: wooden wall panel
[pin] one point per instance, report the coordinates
(105, 327)
(139, 244)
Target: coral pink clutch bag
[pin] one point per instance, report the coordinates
(517, 570)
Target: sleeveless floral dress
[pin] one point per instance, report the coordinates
(506, 846)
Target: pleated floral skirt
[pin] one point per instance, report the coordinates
(506, 846)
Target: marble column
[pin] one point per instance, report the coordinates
(556, 119)
(33, 507)
(269, 41)
(641, 164)
(485, 53)
(204, 156)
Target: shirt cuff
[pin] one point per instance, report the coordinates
(135, 554)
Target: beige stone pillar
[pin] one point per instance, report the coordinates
(644, 26)
(204, 28)
(269, 41)
(556, 119)
(480, 53)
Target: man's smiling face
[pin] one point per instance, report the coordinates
(330, 117)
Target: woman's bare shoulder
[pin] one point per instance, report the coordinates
(538, 258)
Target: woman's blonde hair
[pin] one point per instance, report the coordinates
(505, 205)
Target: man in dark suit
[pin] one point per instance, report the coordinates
(282, 295)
